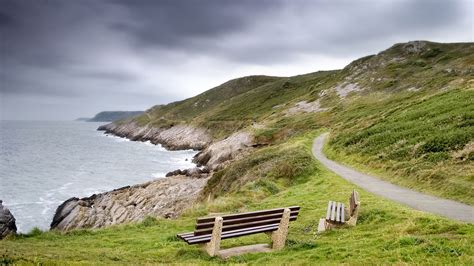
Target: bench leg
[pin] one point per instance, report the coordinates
(322, 225)
(279, 236)
(214, 245)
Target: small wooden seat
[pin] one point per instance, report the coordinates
(211, 230)
(336, 213)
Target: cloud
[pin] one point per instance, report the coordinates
(117, 54)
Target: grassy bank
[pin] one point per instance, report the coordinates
(426, 143)
(386, 232)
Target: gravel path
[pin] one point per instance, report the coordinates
(416, 200)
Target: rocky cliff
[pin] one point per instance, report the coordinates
(177, 137)
(166, 197)
(7, 222)
(219, 152)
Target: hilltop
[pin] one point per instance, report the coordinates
(404, 114)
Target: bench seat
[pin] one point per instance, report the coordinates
(242, 224)
(336, 213)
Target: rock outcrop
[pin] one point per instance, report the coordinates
(305, 107)
(195, 172)
(166, 197)
(177, 137)
(7, 222)
(221, 151)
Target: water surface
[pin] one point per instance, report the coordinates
(44, 163)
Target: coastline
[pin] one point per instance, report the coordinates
(165, 197)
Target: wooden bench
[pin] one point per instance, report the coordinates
(211, 230)
(336, 213)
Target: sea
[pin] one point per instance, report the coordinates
(43, 163)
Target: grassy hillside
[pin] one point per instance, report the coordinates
(405, 114)
(192, 109)
(386, 232)
(426, 143)
(409, 122)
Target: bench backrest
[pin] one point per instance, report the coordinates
(245, 220)
(353, 202)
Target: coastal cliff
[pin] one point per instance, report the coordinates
(166, 197)
(178, 137)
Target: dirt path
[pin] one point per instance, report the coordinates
(411, 198)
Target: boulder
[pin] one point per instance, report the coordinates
(7, 222)
(163, 197)
(195, 172)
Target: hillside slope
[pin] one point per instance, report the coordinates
(405, 113)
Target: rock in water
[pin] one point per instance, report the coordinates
(7, 222)
(164, 197)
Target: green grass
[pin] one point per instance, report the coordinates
(387, 233)
(422, 143)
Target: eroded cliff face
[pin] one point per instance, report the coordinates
(213, 153)
(178, 137)
(219, 152)
(166, 197)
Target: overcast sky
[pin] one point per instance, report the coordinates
(66, 59)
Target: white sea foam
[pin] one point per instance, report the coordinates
(158, 175)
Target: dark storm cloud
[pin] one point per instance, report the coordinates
(177, 23)
(273, 28)
(120, 54)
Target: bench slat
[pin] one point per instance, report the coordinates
(343, 220)
(245, 220)
(338, 212)
(249, 225)
(183, 235)
(246, 214)
(328, 215)
(333, 211)
(231, 232)
(236, 233)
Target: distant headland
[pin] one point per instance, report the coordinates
(110, 116)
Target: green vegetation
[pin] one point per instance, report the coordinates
(409, 120)
(386, 232)
(268, 171)
(425, 143)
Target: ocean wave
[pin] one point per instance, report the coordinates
(158, 175)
